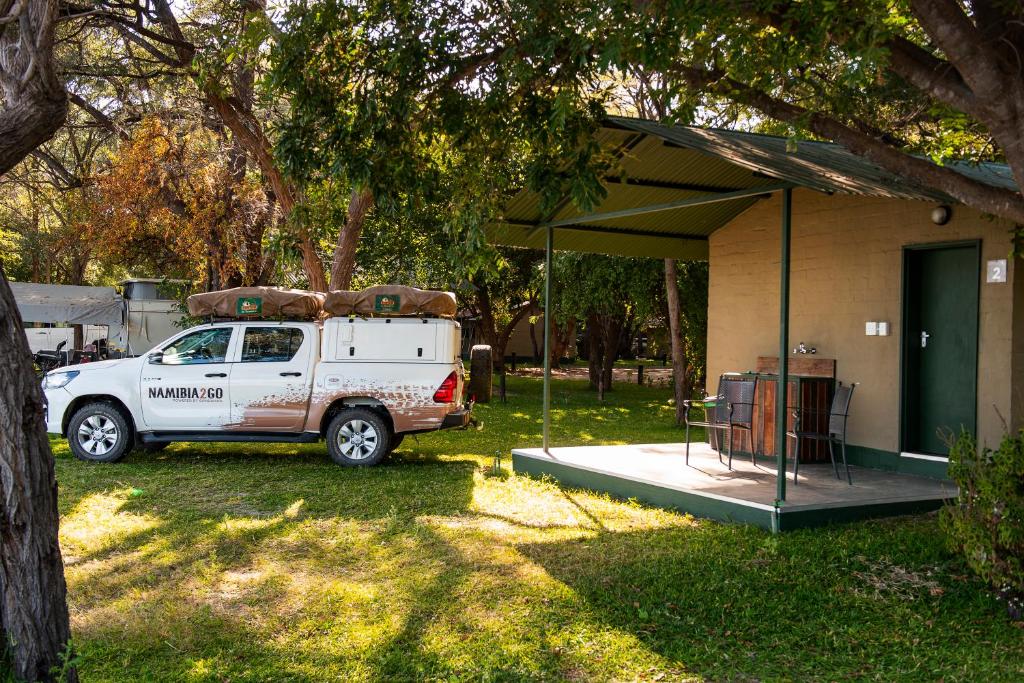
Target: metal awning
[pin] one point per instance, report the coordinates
(701, 178)
(71, 304)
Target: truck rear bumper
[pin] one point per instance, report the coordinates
(460, 418)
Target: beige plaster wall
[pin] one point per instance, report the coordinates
(846, 270)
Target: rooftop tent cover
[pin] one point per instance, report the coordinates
(70, 304)
(258, 302)
(391, 300)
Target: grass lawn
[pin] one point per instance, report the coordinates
(260, 562)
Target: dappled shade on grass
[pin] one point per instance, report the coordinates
(268, 562)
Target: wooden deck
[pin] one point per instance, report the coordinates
(657, 474)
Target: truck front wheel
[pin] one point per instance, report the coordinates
(98, 432)
(357, 437)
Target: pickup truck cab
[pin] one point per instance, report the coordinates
(361, 384)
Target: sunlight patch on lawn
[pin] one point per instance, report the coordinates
(97, 522)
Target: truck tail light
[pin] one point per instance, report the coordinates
(446, 392)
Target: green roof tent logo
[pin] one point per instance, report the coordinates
(387, 303)
(248, 306)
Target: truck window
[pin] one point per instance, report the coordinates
(204, 346)
(270, 344)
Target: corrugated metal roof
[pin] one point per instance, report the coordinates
(662, 164)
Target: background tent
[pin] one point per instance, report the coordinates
(70, 304)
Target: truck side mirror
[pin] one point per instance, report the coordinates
(156, 358)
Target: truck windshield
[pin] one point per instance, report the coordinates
(204, 346)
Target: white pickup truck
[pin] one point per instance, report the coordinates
(360, 383)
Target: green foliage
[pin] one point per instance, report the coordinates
(986, 522)
(693, 315)
(465, 104)
(589, 284)
(424, 103)
(10, 241)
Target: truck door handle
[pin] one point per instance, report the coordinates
(924, 339)
(291, 374)
(216, 374)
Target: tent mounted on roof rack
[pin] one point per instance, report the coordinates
(391, 301)
(258, 303)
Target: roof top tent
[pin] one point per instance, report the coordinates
(681, 189)
(70, 305)
(153, 311)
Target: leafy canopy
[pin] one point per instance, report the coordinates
(396, 93)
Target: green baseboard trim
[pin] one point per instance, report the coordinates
(660, 496)
(894, 462)
(790, 520)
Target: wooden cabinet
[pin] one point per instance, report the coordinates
(809, 394)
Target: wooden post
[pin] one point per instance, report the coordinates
(640, 375)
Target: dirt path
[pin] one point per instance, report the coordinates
(653, 376)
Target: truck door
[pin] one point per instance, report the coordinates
(187, 388)
(272, 380)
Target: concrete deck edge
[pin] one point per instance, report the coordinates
(534, 462)
(710, 507)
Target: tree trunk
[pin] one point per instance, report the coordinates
(248, 131)
(681, 381)
(343, 265)
(34, 101)
(612, 333)
(595, 352)
(33, 595)
(561, 337)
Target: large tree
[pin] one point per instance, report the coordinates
(34, 101)
(909, 86)
(615, 297)
(34, 629)
(203, 61)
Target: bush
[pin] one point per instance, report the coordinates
(986, 523)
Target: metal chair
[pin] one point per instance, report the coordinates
(836, 434)
(731, 409)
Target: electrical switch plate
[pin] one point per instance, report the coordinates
(871, 329)
(883, 329)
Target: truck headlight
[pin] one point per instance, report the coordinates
(56, 380)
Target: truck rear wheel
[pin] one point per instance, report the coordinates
(98, 432)
(358, 437)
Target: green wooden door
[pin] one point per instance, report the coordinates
(940, 345)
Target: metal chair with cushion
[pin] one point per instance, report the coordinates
(835, 434)
(732, 409)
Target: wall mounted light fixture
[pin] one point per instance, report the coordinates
(941, 214)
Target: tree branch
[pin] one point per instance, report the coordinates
(981, 196)
(977, 60)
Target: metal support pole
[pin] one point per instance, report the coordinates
(781, 390)
(547, 336)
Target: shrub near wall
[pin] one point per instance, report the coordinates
(986, 523)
